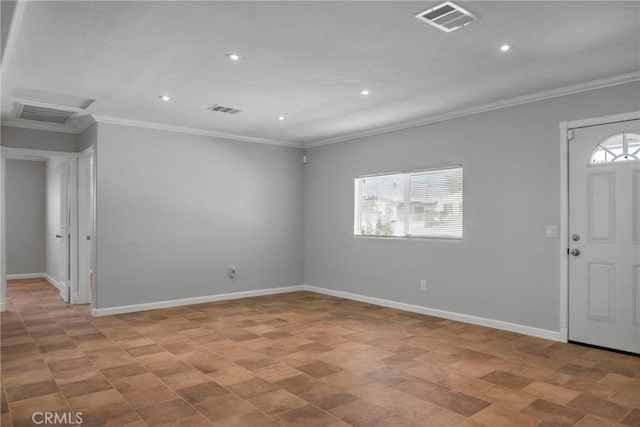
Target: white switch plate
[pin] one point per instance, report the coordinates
(550, 231)
(423, 285)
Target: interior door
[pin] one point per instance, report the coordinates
(85, 230)
(604, 236)
(65, 231)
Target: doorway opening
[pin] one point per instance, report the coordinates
(48, 199)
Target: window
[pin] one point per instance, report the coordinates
(618, 148)
(414, 204)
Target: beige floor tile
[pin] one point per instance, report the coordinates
(298, 359)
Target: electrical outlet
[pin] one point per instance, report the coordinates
(233, 272)
(423, 285)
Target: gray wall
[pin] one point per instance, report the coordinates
(53, 253)
(25, 197)
(38, 139)
(504, 268)
(175, 210)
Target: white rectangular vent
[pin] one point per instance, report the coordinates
(44, 114)
(223, 109)
(447, 17)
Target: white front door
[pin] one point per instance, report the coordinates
(604, 236)
(64, 235)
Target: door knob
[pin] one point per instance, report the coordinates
(575, 252)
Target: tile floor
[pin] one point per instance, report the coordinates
(298, 359)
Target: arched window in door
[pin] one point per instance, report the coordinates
(617, 148)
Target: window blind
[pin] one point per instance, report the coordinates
(415, 204)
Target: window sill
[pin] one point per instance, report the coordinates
(426, 238)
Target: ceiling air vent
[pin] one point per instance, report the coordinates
(447, 17)
(223, 109)
(44, 114)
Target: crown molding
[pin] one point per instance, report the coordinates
(511, 102)
(52, 127)
(193, 131)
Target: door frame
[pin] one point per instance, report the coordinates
(11, 153)
(566, 134)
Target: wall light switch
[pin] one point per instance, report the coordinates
(550, 231)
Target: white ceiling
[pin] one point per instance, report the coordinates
(308, 61)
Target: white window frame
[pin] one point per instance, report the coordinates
(406, 177)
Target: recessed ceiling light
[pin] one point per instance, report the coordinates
(233, 56)
(504, 48)
(281, 118)
(364, 92)
(165, 98)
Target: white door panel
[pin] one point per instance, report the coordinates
(85, 230)
(64, 235)
(604, 215)
(636, 207)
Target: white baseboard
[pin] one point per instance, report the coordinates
(466, 318)
(195, 300)
(25, 276)
(45, 276)
(53, 281)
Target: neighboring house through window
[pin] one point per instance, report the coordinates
(425, 203)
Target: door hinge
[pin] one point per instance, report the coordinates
(570, 134)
